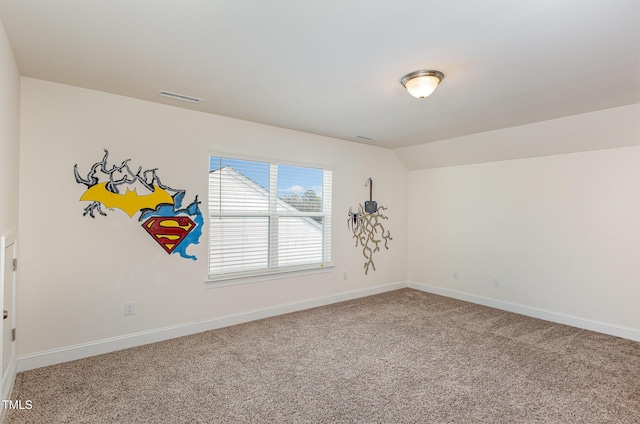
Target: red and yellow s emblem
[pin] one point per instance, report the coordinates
(169, 231)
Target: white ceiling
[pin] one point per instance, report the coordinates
(333, 67)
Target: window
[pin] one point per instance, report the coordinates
(267, 217)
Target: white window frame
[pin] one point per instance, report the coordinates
(274, 271)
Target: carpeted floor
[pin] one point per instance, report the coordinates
(399, 357)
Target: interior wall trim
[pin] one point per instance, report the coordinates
(9, 377)
(560, 318)
(7, 387)
(85, 350)
(71, 353)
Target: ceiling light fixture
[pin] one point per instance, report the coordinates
(422, 83)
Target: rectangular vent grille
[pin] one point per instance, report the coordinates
(362, 137)
(182, 97)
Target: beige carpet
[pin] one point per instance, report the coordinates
(399, 357)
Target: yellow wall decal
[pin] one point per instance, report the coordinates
(173, 226)
(130, 202)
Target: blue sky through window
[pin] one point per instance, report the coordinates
(291, 179)
(256, 171)
(298, 180)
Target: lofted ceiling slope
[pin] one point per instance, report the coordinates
(333, 67)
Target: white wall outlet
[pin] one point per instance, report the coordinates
(129, 308)
(456, 274)
(496, 281)
(344, 275)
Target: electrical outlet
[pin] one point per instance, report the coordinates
(344, 275)
(456, 274)
(496, 281)
(129, 308)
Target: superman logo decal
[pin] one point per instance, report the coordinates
(169, 232)
(119, 186)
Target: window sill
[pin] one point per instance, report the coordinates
(232, 280)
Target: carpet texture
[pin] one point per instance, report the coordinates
(399, 357)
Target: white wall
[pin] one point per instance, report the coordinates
(77, 272)
(561, 232)
(9, 137)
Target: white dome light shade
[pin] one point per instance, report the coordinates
(420, 84)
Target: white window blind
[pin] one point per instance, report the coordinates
(267, 217)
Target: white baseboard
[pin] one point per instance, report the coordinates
(8, 380)
(71, 353)
(587, 324)
(7, 386)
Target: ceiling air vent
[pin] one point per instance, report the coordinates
(363, 137)
(182, 97)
